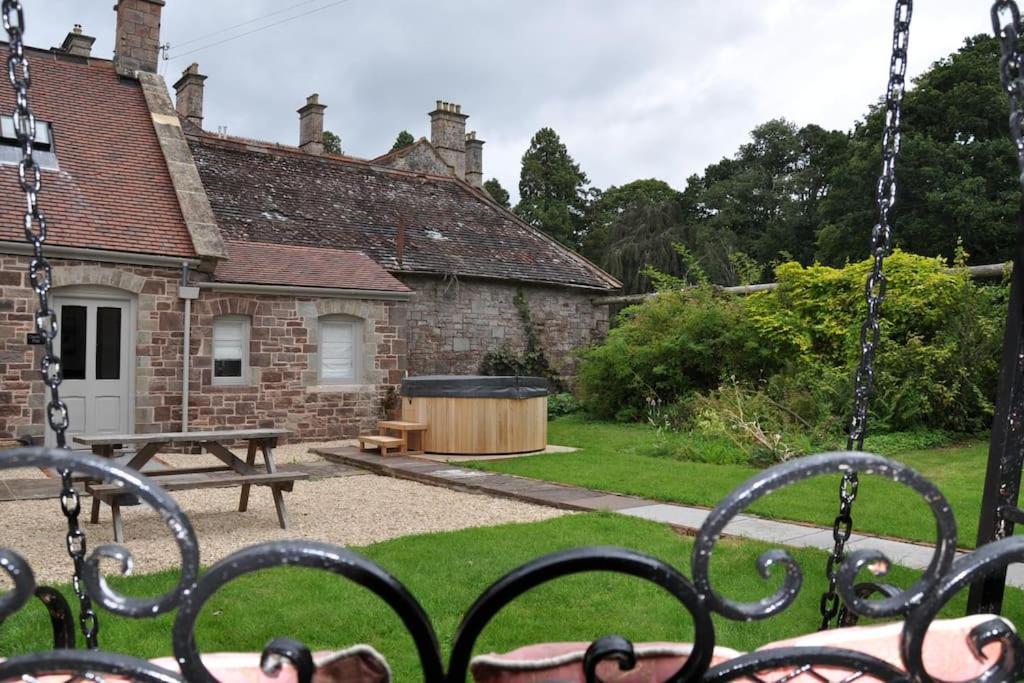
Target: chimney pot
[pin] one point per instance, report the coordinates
(188, 92)
(448, 135)
(77, 43)
(137, 37)
(311, 125)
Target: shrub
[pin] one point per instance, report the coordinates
(561, 404)
(667, 348)
(895, 443)
(799, 344)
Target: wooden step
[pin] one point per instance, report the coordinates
(384, 443)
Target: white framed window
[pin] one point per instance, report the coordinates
(339, 350)
(231, 350)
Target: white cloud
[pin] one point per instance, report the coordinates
(647, 88)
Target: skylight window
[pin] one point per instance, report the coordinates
(43, 151)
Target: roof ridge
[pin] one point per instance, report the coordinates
(272, 147)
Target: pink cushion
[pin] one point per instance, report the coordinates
(564, 662)
(946, 652)
(357, 664)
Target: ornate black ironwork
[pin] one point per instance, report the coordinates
(40, 277)
(917, 604)
(1006, 445)
(874, 296)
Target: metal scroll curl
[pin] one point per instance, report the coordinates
(795, 471)
(147, 490)
(15, 566)
(314, 555)
(794, 661)
(986, 560)
(589, 559)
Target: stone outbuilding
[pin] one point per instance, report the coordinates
(205, 281)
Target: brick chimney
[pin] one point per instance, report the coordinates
(137, 38)
(77, 44)
(474, 160)
(188, 92)
(311, 125)
(448, 134)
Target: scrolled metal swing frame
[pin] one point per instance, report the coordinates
(917, 605)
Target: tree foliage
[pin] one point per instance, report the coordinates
(767, 197)
(610, 204)
(497, 192)
(956, 176)
(332, 143)
(553, 194)
(403, 140)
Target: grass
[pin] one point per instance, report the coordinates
(446, 572)
(619, 458)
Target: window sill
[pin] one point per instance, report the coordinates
(341, 388)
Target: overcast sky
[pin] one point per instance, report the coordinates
(635, 88)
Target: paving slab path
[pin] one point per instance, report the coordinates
(568, 497)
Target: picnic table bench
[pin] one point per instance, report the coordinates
(233, 471)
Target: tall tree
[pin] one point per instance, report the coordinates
(497, 192)
(332, 143)
(767, 196)
(956, 176)
(616, 200)
(404, 139)
(552, 189)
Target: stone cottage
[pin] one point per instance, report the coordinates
(290, 287)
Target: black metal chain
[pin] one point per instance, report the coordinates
(874, 293)
(1006, 25)
(41, 278)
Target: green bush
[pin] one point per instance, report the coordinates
(672, 345)
(561, 404)
(799, 344)
(895, 443)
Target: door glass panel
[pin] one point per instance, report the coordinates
(108, 342)
(72, 341)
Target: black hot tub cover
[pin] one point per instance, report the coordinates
(474, 386)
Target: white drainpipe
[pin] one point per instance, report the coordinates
(187, 293)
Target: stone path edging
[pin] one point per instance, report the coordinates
(568, 497)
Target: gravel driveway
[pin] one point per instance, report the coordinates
(349, 510)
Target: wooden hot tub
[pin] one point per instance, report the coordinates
(476, 415)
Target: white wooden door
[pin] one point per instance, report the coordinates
(96, 349)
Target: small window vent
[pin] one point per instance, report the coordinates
(43, 151)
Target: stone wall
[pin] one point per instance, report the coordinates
(283, 388)
(282, 392)
(454, 323)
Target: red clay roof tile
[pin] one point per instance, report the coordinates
(113, 190)
(280, 264)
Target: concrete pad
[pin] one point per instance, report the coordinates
(677, 515)
(508, 456)
(609, 501)
(769, 530)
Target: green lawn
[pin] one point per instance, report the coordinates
(618, 457)
(447, 572)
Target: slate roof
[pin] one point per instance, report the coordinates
(112, 190)
(280, 264)
(275, 194)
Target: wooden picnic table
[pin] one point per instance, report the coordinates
(232, 471)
